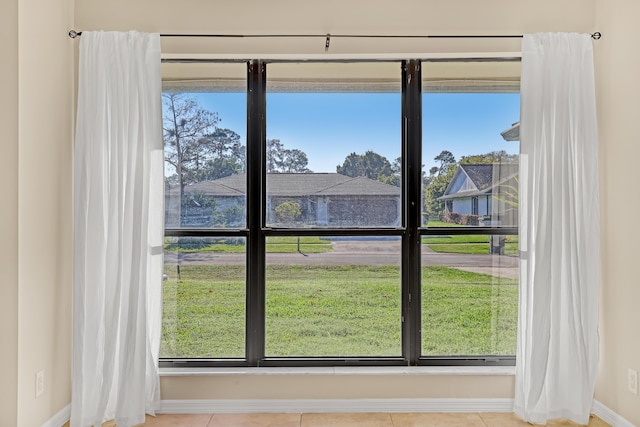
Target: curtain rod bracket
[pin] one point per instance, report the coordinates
(327, 42)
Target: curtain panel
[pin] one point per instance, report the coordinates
(557, 354)
(118, 229)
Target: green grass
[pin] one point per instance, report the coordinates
(438, 223)
(468, 313)
(333, 311)
(336, 311)
(203, 314)
(468, 244)
(308, 245)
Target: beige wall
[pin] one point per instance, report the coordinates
(618, 91)
(9, 212)
(356, 16)
(42, 175)
(336, 387)
(336, 16)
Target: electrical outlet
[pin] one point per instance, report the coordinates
(39, 383)
(632, 380)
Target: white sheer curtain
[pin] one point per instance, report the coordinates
(118, 206)
(557, 356)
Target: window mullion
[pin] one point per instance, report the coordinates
(412, 204)
(256, 137)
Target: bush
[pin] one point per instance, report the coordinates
(197, 243)
(288, 212)
(234, 216)
(469, 219)
(451, 217)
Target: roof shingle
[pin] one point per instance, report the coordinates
(295, 185)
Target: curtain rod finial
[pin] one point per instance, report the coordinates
(596, 35)
(73, 34)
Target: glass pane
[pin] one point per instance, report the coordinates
(203, 298)
(469, 295)
(204, 120)
(333, 145)
(471, 114)
(333, 296)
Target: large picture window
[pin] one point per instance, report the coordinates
(340, 213)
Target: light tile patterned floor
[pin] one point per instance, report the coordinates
(350, 420)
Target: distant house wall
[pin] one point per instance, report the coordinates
(462, 205)
(342, 211)
(377, 211)
(223, 211)
(324, 199)
(339, 211)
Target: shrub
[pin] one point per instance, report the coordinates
(234, 216)
(451, 217)
(288, 212)
(469, 219)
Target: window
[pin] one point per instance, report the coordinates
(204, 289)
(340, 213)
(469, 235)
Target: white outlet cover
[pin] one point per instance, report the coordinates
(39, 383)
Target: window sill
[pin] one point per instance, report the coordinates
(343, 370)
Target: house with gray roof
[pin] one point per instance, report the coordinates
(489, 191)
(324, 199)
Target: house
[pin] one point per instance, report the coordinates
(37, 110)
(324, 199)
(511, 134)
(488, 191)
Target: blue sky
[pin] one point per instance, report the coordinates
(329, 126)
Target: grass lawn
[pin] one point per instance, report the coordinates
(465, 244)
(468, 244)
(437, 223)
(336, 311)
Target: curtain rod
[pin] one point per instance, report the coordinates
(596, 36)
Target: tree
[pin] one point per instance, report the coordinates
(185, 126)
(226, 155)
(283, 160)
(218, 168)
(370, 164)
(437, 182)
(224, 143)
(274, 155)
(446, 159)
(396, 173)
(295, 161)
(491, 157)
(437, 185)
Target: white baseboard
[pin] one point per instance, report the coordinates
(609, 416)
(60, 418)
(341, 405)
(333, 405)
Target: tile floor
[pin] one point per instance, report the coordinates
(349, 420)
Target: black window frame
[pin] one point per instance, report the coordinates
(411, 233)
